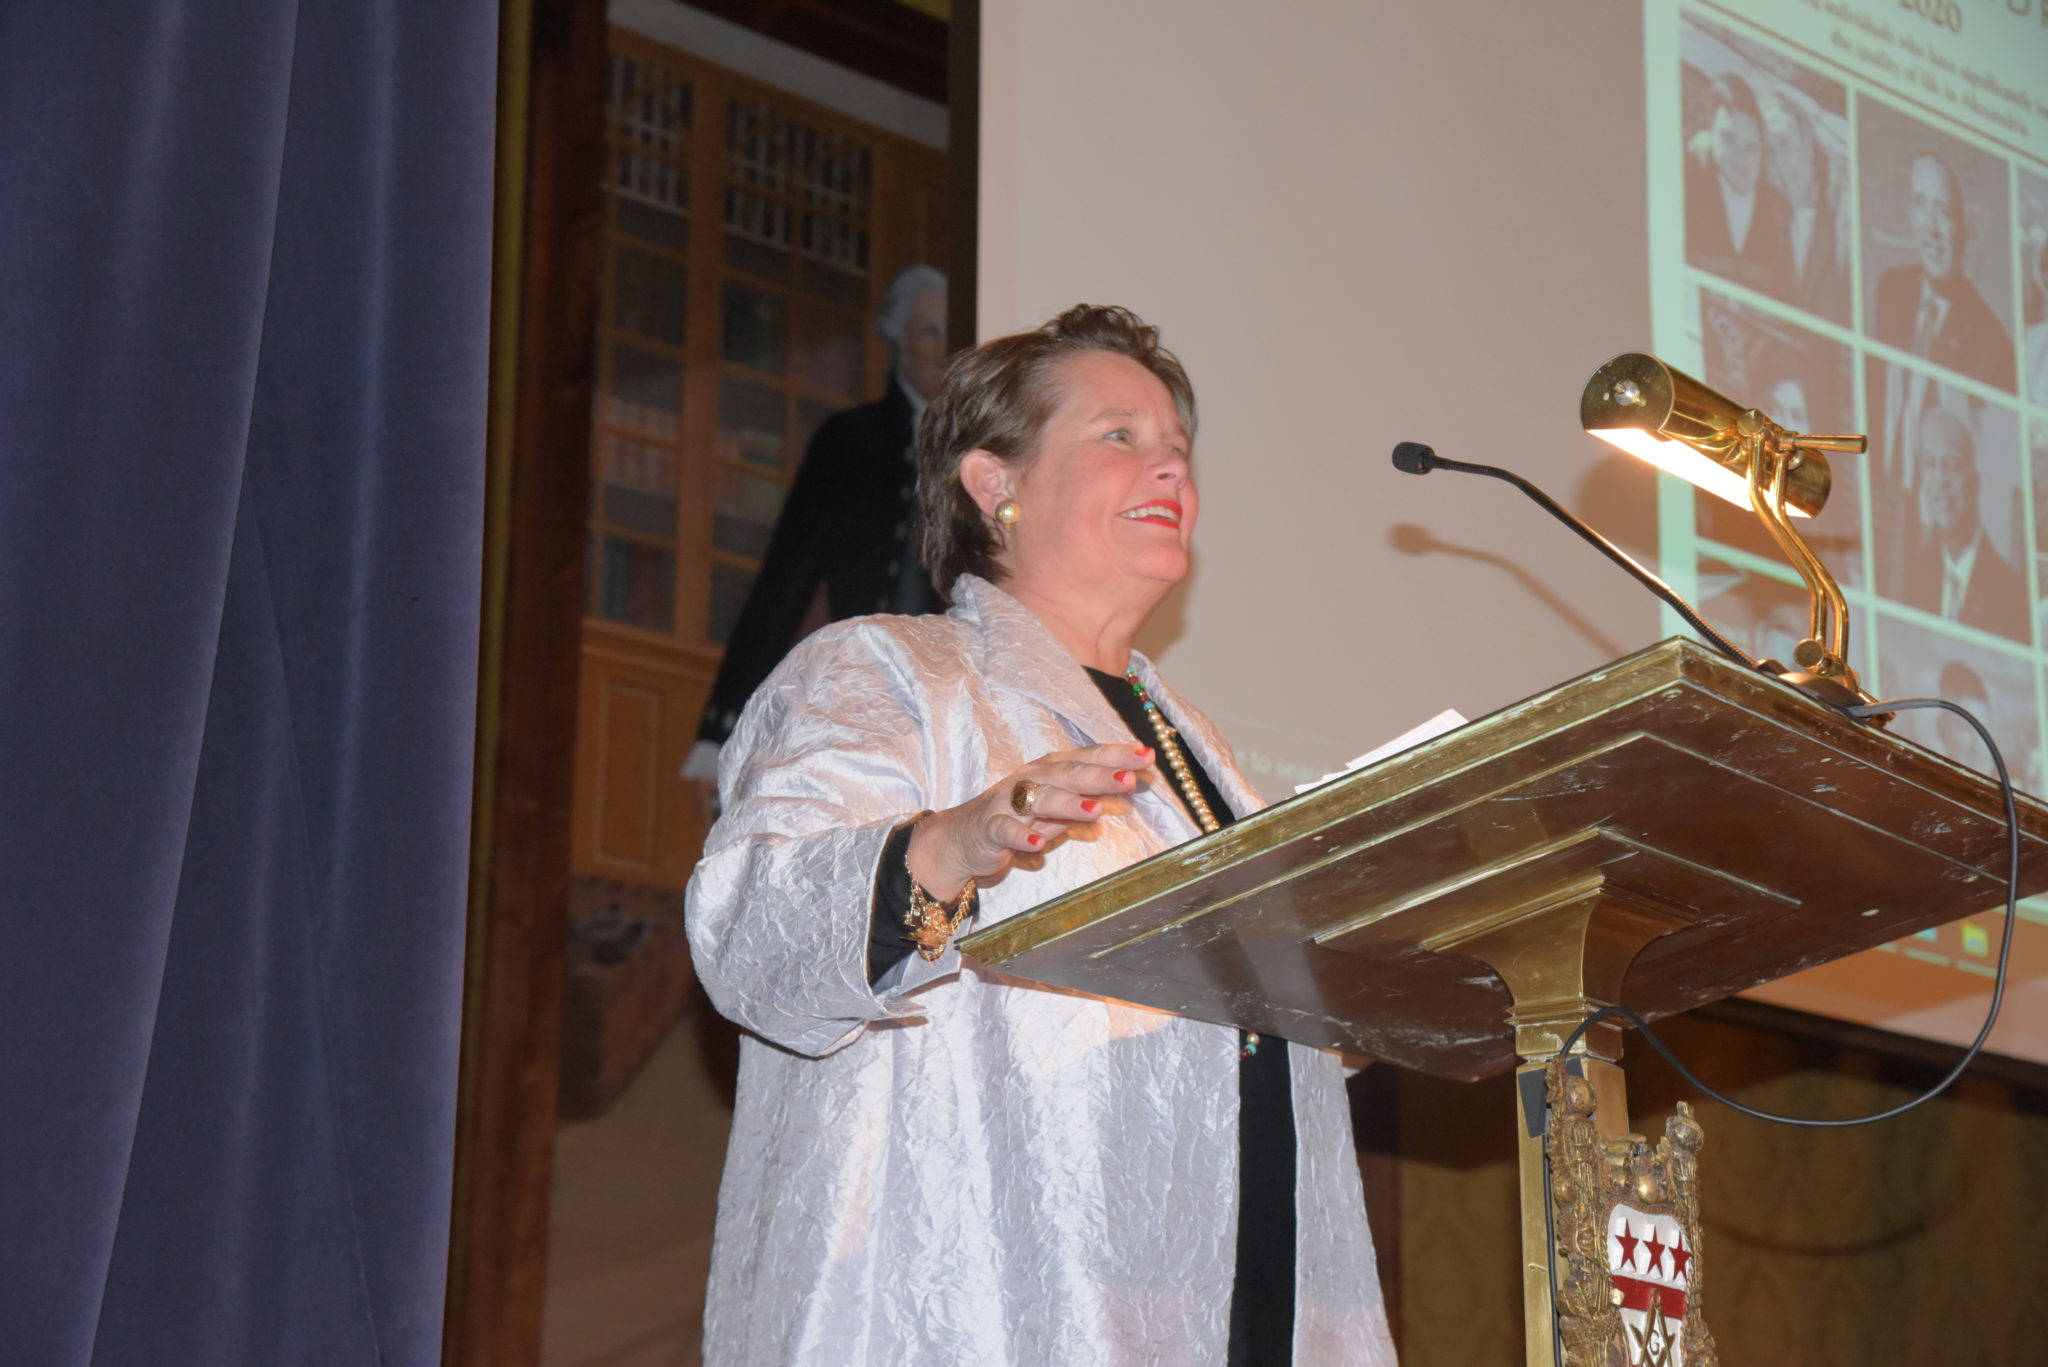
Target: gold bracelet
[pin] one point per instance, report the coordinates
(931, 922)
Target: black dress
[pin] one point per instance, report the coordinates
(1262, 1299)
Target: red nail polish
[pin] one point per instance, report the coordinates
(1144, 751)
(1036, 839)
(1122, 776)
(1090, 806)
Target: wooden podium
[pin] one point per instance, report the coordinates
(1660, 833)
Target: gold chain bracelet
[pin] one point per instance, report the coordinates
(931, 922)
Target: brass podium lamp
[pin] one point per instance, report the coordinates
(1674, 422)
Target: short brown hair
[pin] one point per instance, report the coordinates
(996, 398)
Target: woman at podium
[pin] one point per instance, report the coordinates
(931, 1163)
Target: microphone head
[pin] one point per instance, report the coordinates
(1414, 458)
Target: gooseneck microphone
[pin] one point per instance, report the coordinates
(1412, 457)
(1416, 459)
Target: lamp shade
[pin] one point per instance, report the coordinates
(1668, 418)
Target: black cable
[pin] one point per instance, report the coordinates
(1861, 712)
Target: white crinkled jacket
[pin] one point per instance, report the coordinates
(961, 1168)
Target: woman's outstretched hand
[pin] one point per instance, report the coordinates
(979, 838)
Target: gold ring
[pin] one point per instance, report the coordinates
(1023, 797)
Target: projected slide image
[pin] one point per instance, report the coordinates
(1762, 613)
(1947, 516)
(2037, 462)
(1937, 245)
(1995, 684)
(1935, 984)
(1765, 169)
(1802, 381)
(2033, 226)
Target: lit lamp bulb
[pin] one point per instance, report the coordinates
(1676, 458)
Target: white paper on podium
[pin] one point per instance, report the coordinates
(1450, 719)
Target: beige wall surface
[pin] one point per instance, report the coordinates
(1358, 224)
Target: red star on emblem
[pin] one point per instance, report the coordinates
(1680, 1256)
(1656, 1249)
(1628, 1244)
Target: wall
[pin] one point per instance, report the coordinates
(1357, 224)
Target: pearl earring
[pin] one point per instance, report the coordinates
(1007, 512)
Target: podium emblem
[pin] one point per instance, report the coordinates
(1628, 1236)
(1649, 1260)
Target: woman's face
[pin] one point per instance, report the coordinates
(1107, 499)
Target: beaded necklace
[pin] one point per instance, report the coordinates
(1184, 781)
(1176, 761)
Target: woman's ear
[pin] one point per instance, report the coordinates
(986, 478)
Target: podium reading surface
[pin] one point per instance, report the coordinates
(1715, 828)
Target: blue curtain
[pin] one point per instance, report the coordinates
(244, 253)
